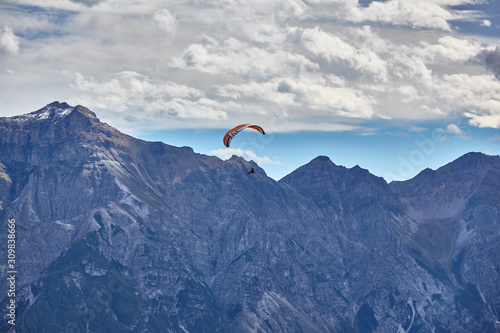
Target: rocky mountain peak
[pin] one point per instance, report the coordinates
(451, 190)
(319, 167)
(474, 161)
(469, 169)
(235, 159)
(57, 105)
(53, 113)
(321, 159)
(56, 121)
(322, 172)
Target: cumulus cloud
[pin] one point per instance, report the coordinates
(227, 153)
(420, 14)
(473, 92)
(261, 160)
(484, 120)
(448, 49)
(333, 48)
(453, 129)
(327, 64)
(234, 57)
(130, 92)
(286, 126)
(9, 43)
(429, 14)
(325, 94)
(486, 23)
(165, 20)
(456, 131)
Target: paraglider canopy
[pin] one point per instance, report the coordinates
(232, 132)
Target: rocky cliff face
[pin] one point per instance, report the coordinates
(456, 227)
(117, 234)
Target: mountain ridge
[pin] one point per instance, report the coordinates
(57, 110)
(120, 234)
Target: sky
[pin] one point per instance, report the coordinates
(393, 86)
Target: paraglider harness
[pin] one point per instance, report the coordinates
(251, 171)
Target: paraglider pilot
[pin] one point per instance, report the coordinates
(251, 171)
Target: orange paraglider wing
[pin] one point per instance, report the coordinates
(232, 132)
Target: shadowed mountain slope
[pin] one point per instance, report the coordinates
(118, 234)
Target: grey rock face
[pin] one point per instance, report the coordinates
(120, 234)
(456, 231)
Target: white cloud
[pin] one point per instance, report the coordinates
(233, 57)
(323, 95)
(165, 20)
(484, 120)
(472, 92)
(430, 14)
(287, 126)
(9, 43)
(409, 93)
(229, 152)
(327, 64)
(486, 23)
(130, 93)
(427, 14)
(268, 33)
(333, 48)
(261, 160)
(453, 129)
(447, 49)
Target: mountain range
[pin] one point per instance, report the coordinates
(117, 234)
